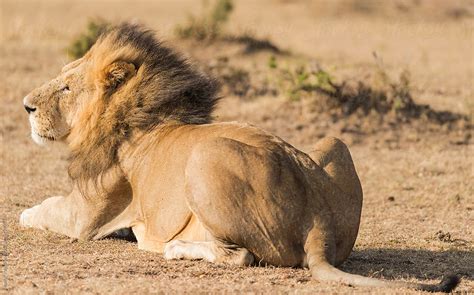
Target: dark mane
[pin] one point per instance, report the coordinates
(172, 88)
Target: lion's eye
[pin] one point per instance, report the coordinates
(65, 89)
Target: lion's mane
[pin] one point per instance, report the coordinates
(163, 87)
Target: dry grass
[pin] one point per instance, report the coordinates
(417, 181)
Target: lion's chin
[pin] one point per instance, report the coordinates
(40, 139)
(46, 139)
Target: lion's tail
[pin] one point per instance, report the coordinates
(325, 272)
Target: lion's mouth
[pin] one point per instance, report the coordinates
(50, 138)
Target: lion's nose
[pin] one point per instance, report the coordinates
(29, 109)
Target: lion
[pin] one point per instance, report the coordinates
(146, 155)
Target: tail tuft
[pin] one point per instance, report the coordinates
(447, 284)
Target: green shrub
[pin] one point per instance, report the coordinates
(272, 62)
(209, 25)
(300, 81)
(82, 43)
(382, 94)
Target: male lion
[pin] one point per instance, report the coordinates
(144, 155)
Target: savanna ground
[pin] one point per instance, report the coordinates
(416, 172)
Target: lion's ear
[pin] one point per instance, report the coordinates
(116, 74)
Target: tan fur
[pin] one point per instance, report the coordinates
(145, 157)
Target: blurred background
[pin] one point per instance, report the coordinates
(403, 52)
(393, 79)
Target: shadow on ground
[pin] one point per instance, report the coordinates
(406, 263)
(393, 263)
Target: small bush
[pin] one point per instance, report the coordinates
(381, 95)
(272, 62)
(80, 45)
(300, 82)
(209, 25)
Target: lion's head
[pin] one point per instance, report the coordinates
(127, 81)
(53, 106)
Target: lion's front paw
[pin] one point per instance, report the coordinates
(174, 250)
(189, 250)
(26, 217)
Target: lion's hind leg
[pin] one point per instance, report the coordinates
(332, 155)
(212, 251)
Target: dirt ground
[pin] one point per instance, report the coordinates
(417, 219)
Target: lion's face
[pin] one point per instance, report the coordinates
(54, 106)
